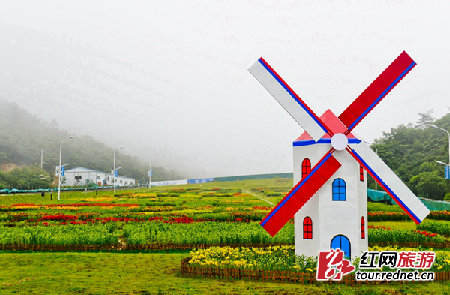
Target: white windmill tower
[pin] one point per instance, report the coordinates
(331, 195)
(337, 214)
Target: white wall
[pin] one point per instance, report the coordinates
(331, 218)
(72, 178)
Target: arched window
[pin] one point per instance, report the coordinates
(306, 167)
(363, 233)
(339, 190)
(307, 228)
(342, 243)
(361, 173)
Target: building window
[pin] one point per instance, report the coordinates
(363, 234)
(78, 178)
(339, 190)
(98, 177)
(307, 228)
(361, 173)
(343, 243)
(306, 167)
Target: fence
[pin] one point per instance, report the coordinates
(382, 196)
(281, 276)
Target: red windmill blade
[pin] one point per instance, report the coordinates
(306, 188)
(326, 167)
(377, 90)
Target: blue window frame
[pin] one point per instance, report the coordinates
(342, 243)
(339, 190)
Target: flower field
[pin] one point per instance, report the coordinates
(215, 218)
(71, 234)
(207, 215)
(283, 258)
(216, 224)
(270, 258)
(213, 233)
(442, 228)
(383, 234)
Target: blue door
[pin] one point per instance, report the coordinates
(342, 243)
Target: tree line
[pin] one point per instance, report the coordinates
(412, 150)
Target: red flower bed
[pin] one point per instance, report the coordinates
(58, 217)
(78, 222)
(88, 218)
(178, 189)
(108, 219)
(77, 205)
(93, 204)
(425, 233)
(439, 215)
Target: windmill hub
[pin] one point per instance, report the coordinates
(339, 141)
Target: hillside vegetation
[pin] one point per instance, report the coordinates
(411, 151)
(22, 136)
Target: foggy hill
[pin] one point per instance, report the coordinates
(22, 136)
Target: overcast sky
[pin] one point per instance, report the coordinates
(169, 80)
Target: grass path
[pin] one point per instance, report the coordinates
(109, 273)
(261, 198)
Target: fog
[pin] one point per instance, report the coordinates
(168, 80)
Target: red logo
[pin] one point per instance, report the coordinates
(332, 265)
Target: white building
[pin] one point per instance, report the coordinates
(125, 181)
(335, 216)
(80, 176)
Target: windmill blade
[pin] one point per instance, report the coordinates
(376, 91)
(300, 194)
(390, 182)
(288, 99)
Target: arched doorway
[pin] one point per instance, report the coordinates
(342, 243)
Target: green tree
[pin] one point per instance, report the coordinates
(28, 177)
(412, 151)
(430, 185)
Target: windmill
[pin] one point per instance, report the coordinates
(337, 145)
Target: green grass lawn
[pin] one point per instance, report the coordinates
(108, 273)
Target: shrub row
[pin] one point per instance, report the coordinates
(435, 227)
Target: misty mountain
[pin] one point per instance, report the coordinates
(22, 136)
